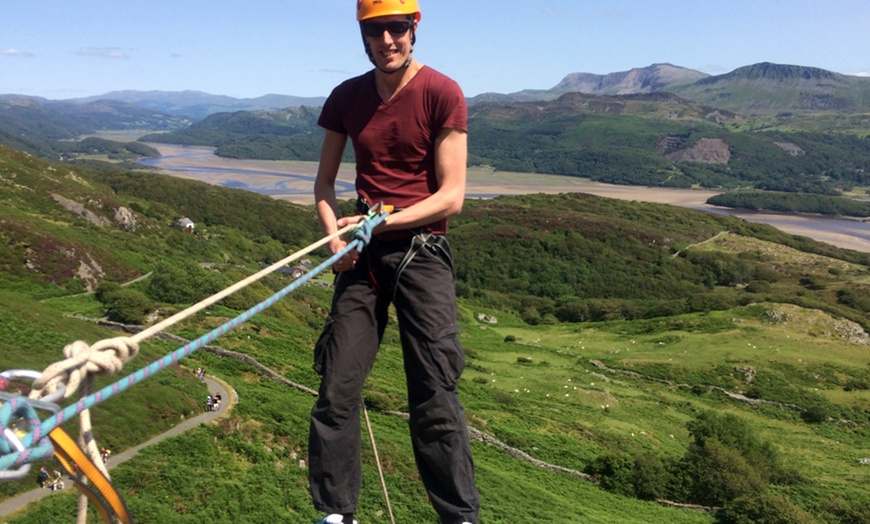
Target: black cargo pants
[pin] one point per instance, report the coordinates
(416, 274)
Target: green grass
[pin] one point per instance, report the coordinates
(650, 416)
(540, 394)
(34, 334)
(564, 393)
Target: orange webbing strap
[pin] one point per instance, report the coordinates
(106, 497)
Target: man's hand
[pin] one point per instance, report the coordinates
(337, 244)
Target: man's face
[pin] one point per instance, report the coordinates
(390, 47)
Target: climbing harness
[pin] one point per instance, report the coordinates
(420, 239)
(423, 240)
(32, 439)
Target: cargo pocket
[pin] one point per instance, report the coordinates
(320, 348)
(447, 355)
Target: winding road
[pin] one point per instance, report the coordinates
(228, 394)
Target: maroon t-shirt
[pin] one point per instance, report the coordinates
(394, 141)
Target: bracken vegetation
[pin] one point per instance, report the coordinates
(684, 361)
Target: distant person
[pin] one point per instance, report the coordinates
(56, 481)
(209, 403)
(105, 453)
(42, 477)
(408, 126)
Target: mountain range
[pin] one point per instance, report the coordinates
(186, 105)
(196, 105)
(758, 89)
(657, 125)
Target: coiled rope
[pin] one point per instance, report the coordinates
(109, 355)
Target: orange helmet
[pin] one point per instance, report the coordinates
(366, 9)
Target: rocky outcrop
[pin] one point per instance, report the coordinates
(790, 148)
(126, 219)
(90, 273)
(81, 210)
(705, 150)
(489, 319)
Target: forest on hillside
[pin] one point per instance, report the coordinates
(779, 201)
(632, 144)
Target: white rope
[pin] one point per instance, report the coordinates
(77, 372)
(378, 462)
(178, 317)
(108, 356)
(89, 446)
(103, 358)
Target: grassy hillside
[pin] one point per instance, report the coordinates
(656, 139)
(53, 130)
(67, 229)
(32, 336)
(659, 140)
(579, 258)
(644, 345)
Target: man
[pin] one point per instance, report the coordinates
(42, 477)
(408, 127)
(57, 481)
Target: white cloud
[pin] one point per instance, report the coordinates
(15, 52)
(863, 73)
(103, 52)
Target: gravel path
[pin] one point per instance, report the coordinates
(230, 398)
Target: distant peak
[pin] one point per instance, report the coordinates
(648, 79)
(771, 71)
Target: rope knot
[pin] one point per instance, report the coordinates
(363, 233)
(103, 358)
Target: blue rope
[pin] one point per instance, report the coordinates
(39, 432)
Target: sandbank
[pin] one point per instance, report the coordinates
(293, 181)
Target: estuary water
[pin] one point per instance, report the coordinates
(294, 181)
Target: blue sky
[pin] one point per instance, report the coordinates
(67, 49)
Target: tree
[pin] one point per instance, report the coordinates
(763, 508)
(650, 477)
(721, 474)
(105, 289)
(127, 306)
(615, 471)
(734, 433)
(183, 281)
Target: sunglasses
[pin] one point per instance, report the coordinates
(395, 28)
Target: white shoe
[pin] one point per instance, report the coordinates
(334, 518)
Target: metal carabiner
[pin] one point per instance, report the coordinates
(19, 473)
(33, 375)
(46, 403)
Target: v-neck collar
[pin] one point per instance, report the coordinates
(396, 93)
